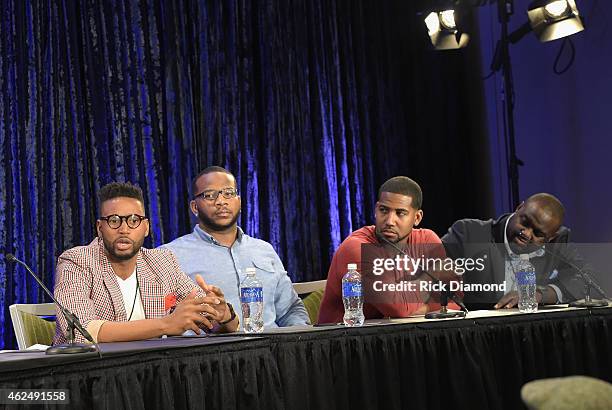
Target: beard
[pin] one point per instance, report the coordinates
(383, 239)
(214, 226)
(110, 249)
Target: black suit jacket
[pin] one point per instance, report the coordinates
(474, 238)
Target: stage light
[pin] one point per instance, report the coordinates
(556, 8)
(551, 20)
(447, 18)
(443, 31)
(432, 22)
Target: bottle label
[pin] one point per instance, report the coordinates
(250, 295)
(524, 278)
(351, 289)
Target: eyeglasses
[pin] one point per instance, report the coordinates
(115, 221)
(211, 195)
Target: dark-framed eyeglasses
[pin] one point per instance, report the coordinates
(114, 221)
(212, 195)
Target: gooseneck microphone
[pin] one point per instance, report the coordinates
(71, 319)
(589, 284)
(444, 295)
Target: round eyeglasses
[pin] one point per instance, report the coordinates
(212, 195)
(114, 221)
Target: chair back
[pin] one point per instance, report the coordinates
(312, 295)
(29, 325)
(304, 288)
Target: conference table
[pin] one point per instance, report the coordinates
(478, 362)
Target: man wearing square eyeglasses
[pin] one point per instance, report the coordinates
(121, 291)
(220, 251)
(535, 228)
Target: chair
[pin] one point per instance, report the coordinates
(312, 295)
(30, 328)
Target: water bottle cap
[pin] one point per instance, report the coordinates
(251, 271)
(524, 256)
(352, 266)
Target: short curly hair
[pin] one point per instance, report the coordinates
(119, 189)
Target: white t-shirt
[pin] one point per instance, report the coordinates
(129, 291)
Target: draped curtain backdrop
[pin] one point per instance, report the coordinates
(310, 103)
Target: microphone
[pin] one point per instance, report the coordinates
(445, 295)
(588, 284)
(73, 321)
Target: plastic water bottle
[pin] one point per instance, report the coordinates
(251, 301)
(352, 297)
(526, 285)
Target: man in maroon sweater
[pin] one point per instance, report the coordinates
(398, 211)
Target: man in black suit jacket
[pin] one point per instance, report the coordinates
(534, 228)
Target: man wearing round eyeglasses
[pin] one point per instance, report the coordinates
(220, 251)
(121, 291)
(118, 246)
(535, 228)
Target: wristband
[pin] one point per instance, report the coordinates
(232, 315)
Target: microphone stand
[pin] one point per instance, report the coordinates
(443, 313)
(589, 284)
(587, 302)
(73, 322)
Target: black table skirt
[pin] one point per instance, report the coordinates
(234, 375)
(471, 364)
(467, 364)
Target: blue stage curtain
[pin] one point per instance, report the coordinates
(310, 103)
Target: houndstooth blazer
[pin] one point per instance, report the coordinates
(86, 284)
